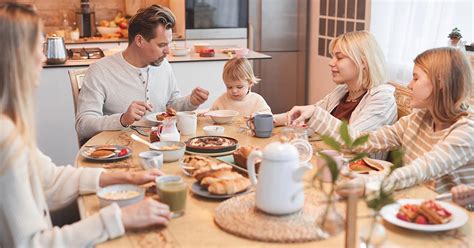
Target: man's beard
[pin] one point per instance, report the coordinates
(158, 61)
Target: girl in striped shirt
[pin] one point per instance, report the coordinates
(438, 138)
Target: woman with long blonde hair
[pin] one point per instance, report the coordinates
(362, 97)
(437, 138)
(30, 184)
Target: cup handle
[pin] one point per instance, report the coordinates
(251, 165)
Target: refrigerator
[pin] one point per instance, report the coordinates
(279, 28)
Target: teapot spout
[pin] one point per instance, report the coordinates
(298, 173)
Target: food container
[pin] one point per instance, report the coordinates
(172, 150)
(213, 130)
(199, 46)
(209, 52)
(122, 194)
(222, 116)
(179, 51)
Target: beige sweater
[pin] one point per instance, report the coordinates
(252, 103)
(443, 158)
(29, 191)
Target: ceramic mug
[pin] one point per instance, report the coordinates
(187, 122)
(151, 159)
(261, 125)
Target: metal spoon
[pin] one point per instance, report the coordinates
(138, 139)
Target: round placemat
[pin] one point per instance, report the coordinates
(239, 216)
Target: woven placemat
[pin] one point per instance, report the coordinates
(240, 217)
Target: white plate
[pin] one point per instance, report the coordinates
(198, 190)
(86, 151)
(152, 117)
(389, 213)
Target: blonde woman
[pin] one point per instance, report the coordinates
(30, 184)
(239, 78)
(438, 138)
(362, 97)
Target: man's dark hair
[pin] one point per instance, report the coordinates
(146, 20)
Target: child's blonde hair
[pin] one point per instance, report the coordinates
(451, 75)
(362, 48)
(239, 69)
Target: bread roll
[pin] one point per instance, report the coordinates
(228, 187)
(219, 176)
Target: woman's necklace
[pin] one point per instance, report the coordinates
(355, 94)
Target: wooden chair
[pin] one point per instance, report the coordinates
(402, 98)
(76, 77)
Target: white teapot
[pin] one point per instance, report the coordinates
(280, 186)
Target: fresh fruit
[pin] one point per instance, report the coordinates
(112, 25)
(104, 23)
(420, 219)
(402, 217)
(122, 152)
(123, 25)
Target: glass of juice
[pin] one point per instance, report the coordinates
(172, 191)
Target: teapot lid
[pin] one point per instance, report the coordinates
(278, 151)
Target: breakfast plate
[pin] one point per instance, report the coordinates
(389, 213)
(362, 169)
(200, 191)
(215, 145)
(152, 117)
(110, 152)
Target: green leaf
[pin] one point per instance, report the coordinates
(331, 163)
(344, 132)
(397, 159)
(358, 156)
(360, 141)
(331, 142)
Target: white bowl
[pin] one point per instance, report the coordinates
(105, 200)
(179, 51)
(169, 155)
(222, 116)
(213, 130)
(108, 30)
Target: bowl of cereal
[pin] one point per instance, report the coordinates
(122, 194)
(172, 150)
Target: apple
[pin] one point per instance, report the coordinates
(123, 25)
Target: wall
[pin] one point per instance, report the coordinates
(52, 11)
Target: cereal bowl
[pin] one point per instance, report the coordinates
(172, 150)
(222, 116)
(122, 194)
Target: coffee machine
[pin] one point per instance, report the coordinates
(85, 19)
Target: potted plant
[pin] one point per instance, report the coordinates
(455, 36)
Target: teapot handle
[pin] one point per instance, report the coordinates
(251, 165)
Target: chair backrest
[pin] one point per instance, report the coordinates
(76, 77)
(402, 98)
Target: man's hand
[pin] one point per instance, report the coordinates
(135, 112)
(199, 96)
(298, 115)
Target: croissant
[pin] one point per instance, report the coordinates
(219, 176)
(207, 171)
(227, 187)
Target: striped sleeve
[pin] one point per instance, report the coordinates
(445, 157)
(384, 139)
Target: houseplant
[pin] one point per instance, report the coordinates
(455, 36)
(331, 222)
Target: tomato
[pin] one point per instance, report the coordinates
(122, 152)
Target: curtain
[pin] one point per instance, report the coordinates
(405, 28)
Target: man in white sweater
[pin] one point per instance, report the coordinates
(120, 89)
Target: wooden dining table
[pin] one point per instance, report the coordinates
(198, 229)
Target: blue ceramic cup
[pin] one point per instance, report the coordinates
(261, 125)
